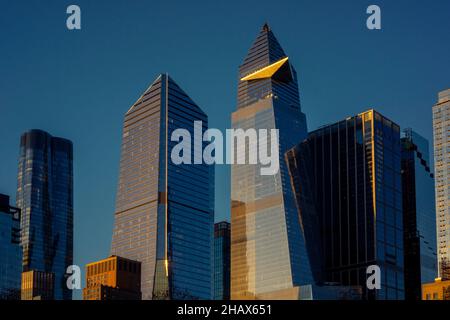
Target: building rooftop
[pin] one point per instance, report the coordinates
(444, 96)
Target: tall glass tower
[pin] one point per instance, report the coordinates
(164, 212)
(45, 196)
(441, 127)
(268, 254)
(347, 178)
(419, 215)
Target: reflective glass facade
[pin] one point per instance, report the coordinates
(441, 136)
(45, 196)
(267, 245)
(419, 215)
(10, 251)
(222, 234)
(164, 212)
(351, 187)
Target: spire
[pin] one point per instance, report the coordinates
(265, 50)
(265, 70)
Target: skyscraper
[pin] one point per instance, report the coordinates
(45, 196)
(268, 252)
(419, 215)
(164, 212)
(347, 180)
(441, 127)
(222, 233)
(114, 278)
(10, 250)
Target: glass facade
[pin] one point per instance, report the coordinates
(347, 181)
(222, 234)
(267, 245)
(419, 215)
(10, 251)
(164, 212)
(45, 196)
(441, 136)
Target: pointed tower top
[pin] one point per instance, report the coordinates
(163, 82)
(264, 51)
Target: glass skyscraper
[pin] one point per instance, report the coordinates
(419, 215)
(45, 196)
(222, 234)
(347, 181)
(10, 250)
(164, 212)
(441, 128)
(268, 252)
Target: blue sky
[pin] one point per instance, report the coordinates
(79, 84)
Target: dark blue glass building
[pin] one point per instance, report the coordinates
(45, 196)
(165, 211)
(419, 215)
(10, 250)
(347, 181)
(222, 233)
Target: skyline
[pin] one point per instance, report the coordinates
(66, 104)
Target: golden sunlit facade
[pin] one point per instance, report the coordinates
(437, 290)
(266, 72)
(114, 278)
(37, 285)
(268, 256)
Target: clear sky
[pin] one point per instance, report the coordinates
(79, 84)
